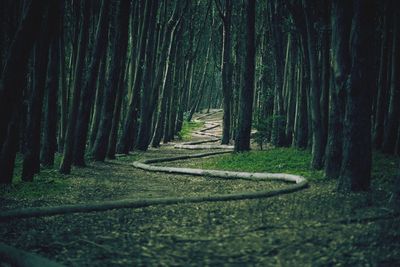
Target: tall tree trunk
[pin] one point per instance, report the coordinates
(49, 145)
(393, 121)
(383, 83)
(31, 157)
(278, 124)
(158, 85)
(63, 92)
(317, 149)
(340, 21)
(127, 139)
(242, 140)
(99, 100)
(357, 155)
(13, 82)
(226, 69)
(66, 162)
(118, 52)
(300, 137)
(166, 92)
(89, 87)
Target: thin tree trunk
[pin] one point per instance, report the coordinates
(89, 87)
(242, 140)
(383, 83)
(119, 51)
(317, 149)
(393, 121)
(127, 138)
(65, 167)
(49, 145)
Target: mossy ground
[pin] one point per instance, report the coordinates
(313, 227)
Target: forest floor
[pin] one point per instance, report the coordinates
(315, 226)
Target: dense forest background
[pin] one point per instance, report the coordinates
(92, 79)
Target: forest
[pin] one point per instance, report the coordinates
(200, 132)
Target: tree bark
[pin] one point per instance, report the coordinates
(357, 155)
(31, 157)
(127, 139)
(100, 146)
(13, 83)
(340, 58)
(242, 140)
(66, 162)
(383, 83)
(317, 149)
(89, 88)
(49, 146)
(226, 70)
(393, 121)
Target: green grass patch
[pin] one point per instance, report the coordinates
(49, 183)
(293, 161)
(188, 128)
(276, 160)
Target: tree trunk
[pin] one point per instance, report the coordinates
(49, 146)
(317, 149)
(383, 83)
(242, 140)
(118, 52)
(127, 138)
(66, 162)
(31, 157)
(357, 155)
(226, 69)
(300, 138)
(340, 21)
(89, 88)
(13, 82)
(99, 100)
(166, 92)
(393, 121)
(278, 123)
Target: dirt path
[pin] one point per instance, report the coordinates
(298, 229)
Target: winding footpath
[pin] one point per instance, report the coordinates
(297, 182)
(19, 257)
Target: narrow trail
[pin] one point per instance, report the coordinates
(210, 131)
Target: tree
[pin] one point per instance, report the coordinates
(128, 135)
(393, 121)
(100, 146)
(49, 143)
(357, 153)
(66, 162)
(316, 122)
(226, 68)
(13, 82)
(340, 21)
(242, 140)
(98, 52)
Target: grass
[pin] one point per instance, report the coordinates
(188, 128)
(49, 183)
(305, 228)
(292, 161)
(276, 160)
